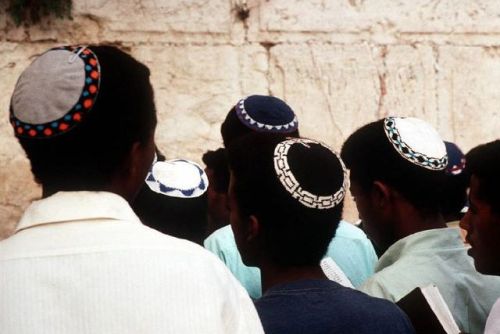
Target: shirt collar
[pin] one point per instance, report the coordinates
(435, 239)
(76, 206)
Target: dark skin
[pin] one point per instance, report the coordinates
(388, 216)
(129, 177)
(249, 236)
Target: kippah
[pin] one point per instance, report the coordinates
(292, 186)
(416, 141)
(456, 159)
(177, 178)
(266, 114)
(55, 93)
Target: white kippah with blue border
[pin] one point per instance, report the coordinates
(416, 141)
(177, 178)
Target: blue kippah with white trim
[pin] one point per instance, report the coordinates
(266, 114)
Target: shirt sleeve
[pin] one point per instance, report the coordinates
(240, 315)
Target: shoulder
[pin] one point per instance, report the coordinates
(348, 230)
(222, 236)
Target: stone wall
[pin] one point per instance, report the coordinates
(338, 63)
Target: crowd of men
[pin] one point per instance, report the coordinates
(126, 241)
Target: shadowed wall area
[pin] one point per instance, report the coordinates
(338, 63)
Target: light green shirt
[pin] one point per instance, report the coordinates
(437, 257)
(350, 249)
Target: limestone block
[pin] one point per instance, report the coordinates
(17, 187)
(469, 95)
(195, 86)
(332, 88)
(409, 82)
(128, 20)
(17, 191)
(356, 17)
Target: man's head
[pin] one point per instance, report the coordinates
(482, 221)
(396, 165)
(85, 117)
(286, 198)
(173, 200)
(259, 113)
(218, 177)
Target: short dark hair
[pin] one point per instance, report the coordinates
(232, 128)
(483, 162)
(454, 195)
(86, 157)
(184, 218)
(294, 235)
(216, 161)
(370, 157)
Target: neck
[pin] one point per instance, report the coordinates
(413, 221)
(273, 275)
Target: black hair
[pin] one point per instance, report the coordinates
(483, 162)
(86, 157)
(293, 234)
(216, 161)
(454, 196)
(370, 157)
(232, 128)
(184, 218)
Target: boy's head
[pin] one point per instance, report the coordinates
(259, 113)
(173, 199)
(392, 161)
(218, 176)
(482, 220)
(286, 198)
(85, 117)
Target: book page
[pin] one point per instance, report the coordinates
(440, 308)
(334, 273)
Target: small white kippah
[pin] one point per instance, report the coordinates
(177, 178)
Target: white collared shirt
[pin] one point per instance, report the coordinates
(82, 262)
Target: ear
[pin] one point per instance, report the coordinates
(253, 228)
(133, 159)
(381, 194)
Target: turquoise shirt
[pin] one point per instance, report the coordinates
(437, 257)
(350, 249)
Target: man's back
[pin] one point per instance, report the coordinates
(436, 256)
(81, 262)
(322, 306)
(350, 249)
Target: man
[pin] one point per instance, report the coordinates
(350, 248)
(218, 178)
(397, 167)
(286, 199)
(482, 220)
(80, 260)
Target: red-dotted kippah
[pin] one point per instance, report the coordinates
(55, 93)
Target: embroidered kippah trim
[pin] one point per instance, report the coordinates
(161, 188)
(259, 126)
(407, 152)
(80, 109)
(288, 180)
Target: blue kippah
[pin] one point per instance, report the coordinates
(266, 114)
(456, 159)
